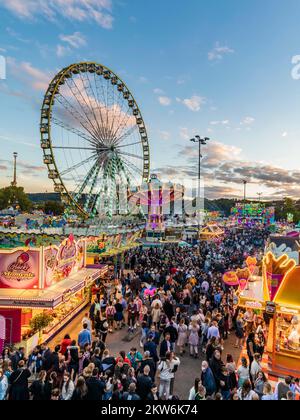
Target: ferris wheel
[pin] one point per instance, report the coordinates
(93, 137)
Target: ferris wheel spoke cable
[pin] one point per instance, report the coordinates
(131, 155)
(89, 94)
(76, 94)
(100, 105)
(72, 130)
(77, 165)
(125, 135)
(123, 122)
(77, 117)
(127, 145)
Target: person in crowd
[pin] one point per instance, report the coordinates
(84, 337)
(38, 387)
(95, 386)
(208, 379)
(131, 395)
(3, 385)
(66, 342)
(268, 394)
(255, 367)
(144, 383)
(68, 387)
(165, 346)
(246, 393)
(153, 394)
(259, 384)
(81, 390)
(182, 336)
(18, 381)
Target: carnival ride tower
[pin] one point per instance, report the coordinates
(157, 199)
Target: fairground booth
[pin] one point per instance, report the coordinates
(276, 294)
(42, 288)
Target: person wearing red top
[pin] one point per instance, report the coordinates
(65, 344)
(122, 356)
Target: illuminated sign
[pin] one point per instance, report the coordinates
(19, 269)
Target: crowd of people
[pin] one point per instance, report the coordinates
(174, 299)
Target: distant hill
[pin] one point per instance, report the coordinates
(43, 197)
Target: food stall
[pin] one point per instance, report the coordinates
(284, 333)
(277, 295)
(211, 232)
(43, 289)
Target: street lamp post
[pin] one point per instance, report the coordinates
(201, 142)
(245, 186)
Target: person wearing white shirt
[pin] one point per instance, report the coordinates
(213, 331)
(86, 320)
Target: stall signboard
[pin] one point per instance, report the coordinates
(60, 262)
(20, 269)
(50, 265)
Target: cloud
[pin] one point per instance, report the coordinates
(25, 71)
(284, 134)
(184, 133)
(143, 79)
(194, 103)
(158, 91)
(76, 40)
(62, 51)
(219, 51)
(224, 122)
(97, 11)
(24, 166)
(165, 100)
(165, 135)
(247, 121)
(224, 169)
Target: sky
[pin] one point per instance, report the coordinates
(227, 70)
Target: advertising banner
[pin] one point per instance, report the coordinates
(63, 261)
(19, 269)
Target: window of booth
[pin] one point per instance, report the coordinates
(287, 338)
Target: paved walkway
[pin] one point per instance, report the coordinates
(187, 372)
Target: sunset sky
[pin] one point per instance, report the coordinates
(222, 69)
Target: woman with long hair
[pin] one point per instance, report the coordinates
(194, 338)
(194, 390)
(38, 387)
(243, 372)
(259, 384)
(68, 387)
(182, 336)
(81, 390)
(246, 393)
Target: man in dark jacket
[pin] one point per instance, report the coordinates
(165, 346)
(144, 383)
(168, 309)
(172, 331)
(131, 395)
(148, 361)
(46, 356)
(96, 359)
(16, 357)
(54, 359)
(151, 347)
(95, 387)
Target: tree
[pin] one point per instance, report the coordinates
(14, 197)
(54, 207)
